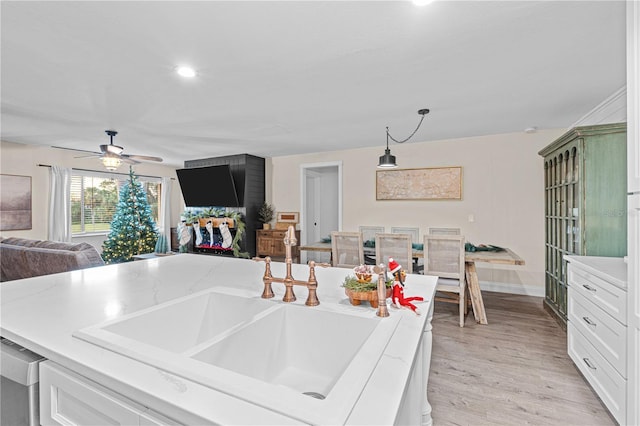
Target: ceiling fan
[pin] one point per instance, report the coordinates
(112, 155)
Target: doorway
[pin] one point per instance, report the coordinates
(321, 210)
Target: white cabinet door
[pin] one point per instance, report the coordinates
(69, 399)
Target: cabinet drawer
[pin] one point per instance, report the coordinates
(271, 234)
(606, 334)
(69, 399)
(278, 235)
(603, 378)
(604, 295)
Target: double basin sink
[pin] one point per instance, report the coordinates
(308, 363)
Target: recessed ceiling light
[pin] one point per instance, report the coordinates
(422, 2)
(532, 129)
(185, 71)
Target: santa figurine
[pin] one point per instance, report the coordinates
(397, 297)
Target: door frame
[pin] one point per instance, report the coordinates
(303, 191)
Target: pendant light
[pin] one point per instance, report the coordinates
(388, 161)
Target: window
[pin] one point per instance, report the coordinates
(94, 198)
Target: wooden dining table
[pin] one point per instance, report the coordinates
(504, 257)
(326, 248)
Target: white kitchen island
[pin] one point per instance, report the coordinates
(45, 315)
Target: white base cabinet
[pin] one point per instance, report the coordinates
(67, 398)
(596, 327)
(603, 378)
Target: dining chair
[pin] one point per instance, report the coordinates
(369, 240)
(444, 258)
(444, 231)
(415, 239)
(369, 232)
(346, 249)
(397, 246)
(413, 232)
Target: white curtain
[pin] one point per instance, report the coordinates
(165, 209)
(60, 204)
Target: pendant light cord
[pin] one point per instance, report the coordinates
(421, 112)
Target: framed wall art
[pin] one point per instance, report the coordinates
(433, 183)
(15, 202)
(284, 219)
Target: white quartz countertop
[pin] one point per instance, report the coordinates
(612, 269)
(42, 314)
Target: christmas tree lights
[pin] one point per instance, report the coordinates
(133, 230)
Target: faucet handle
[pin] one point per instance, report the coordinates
(323, 265)
(382, 291)
(267, 278)
(312, 284)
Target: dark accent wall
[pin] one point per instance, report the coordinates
(248, 175)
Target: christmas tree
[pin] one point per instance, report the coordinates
(133, 230)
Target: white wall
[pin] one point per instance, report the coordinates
(503, 189)
(19, 159)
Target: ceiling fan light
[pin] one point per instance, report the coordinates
(387, 161)
(111, 162)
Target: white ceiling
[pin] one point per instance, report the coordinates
(281, 78)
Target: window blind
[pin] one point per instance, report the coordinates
(94, 199)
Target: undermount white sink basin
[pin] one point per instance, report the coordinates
(180, 326)
(303, 349)
(308, 363)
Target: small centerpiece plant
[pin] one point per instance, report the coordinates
(364, 286)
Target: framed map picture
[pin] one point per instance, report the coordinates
(15, 202)
(434, 183)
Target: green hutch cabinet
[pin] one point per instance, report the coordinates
(585, 179)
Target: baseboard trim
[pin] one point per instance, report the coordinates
(527, 290)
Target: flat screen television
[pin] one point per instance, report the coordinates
(211, 186)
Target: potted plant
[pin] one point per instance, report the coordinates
(364, 286)
(265, 215)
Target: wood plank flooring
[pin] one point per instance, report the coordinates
(513, 371)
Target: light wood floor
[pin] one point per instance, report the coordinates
(513, 371)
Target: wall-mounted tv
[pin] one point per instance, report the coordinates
(208, 186)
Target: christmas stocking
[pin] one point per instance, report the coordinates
(209, 227)
(196, 229)
(226, 235)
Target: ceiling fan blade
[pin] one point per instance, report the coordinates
(90, 154)
(142, 157)
(95, 155)
(127, 160)
(78, 150)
